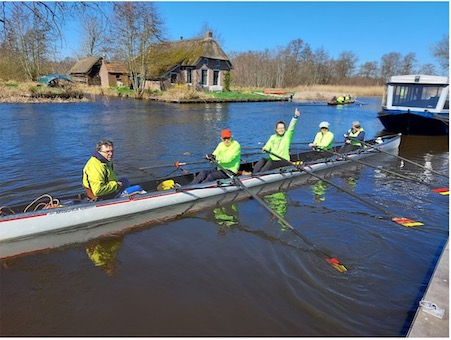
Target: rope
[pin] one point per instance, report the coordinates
(52, 204)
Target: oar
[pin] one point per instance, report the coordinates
(400, 220)
(176, 164)
(402, 158)
(442, 191)
(331, 260)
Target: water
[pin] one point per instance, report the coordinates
(229, 269)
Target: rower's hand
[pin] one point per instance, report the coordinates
(264, 150)
(210, 157)
(312, 145)
(297, 113)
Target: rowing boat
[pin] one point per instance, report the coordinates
(69, 214)
(334, 102)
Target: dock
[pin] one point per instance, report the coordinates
(432, 316)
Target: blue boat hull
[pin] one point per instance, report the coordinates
(409, 123)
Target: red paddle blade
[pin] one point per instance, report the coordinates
(336, 264)
(442, 191)
(406, 222)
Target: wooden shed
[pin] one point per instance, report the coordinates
(97, 71)
(87, 71)
(113, 74)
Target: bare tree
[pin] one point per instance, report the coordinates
(369, 69)
(391, 65)
(345, 65)
(29, 38)
(427, 69)
(95, 30)
(207, 28)
(137, 26)
(322, 66)
(33, 30)
(408, 64)
(440, 51)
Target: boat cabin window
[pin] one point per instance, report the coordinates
(415, 95)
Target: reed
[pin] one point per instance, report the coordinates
(326, 92)
(36, 92)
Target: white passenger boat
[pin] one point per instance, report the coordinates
(416, 105)
(50, 216)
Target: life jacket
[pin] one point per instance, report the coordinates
(354, 135)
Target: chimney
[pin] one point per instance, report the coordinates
(209, 34)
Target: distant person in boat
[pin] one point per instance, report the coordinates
(227, 154)
(279, 144)
(324, 140)
(354, 138)
(99, 179)
(340, 99)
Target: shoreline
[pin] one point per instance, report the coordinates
(296, 97)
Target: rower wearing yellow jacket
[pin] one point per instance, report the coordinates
(227, 154)
(99, 178)
(278, 144)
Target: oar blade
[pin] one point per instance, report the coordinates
(407, 222)
(441, 191)
(337, 265)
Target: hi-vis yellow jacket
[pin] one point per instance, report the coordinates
(229, 157)
(99, 176)
(324, 140)
(280, 145)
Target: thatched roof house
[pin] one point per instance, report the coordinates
(97, 71)
(198, 62)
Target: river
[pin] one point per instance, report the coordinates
(228, 269)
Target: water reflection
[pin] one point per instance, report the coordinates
(103, 253)
(319, 191)
(278, 203)
(226, 217)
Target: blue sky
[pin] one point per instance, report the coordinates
(369, 29)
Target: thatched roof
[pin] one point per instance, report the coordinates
(116, 68)
(84, 65)
(162, 58)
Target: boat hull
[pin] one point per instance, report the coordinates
(153, 205)
(411, 123)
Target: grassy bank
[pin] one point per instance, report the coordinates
(35, 92)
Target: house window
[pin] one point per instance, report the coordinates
(205, 61)
(173, 78)
(218, 63)
(204, 80)
(189, 78)
(216, 77)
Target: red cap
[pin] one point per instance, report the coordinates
(226, 133)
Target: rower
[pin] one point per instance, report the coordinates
(99, 179)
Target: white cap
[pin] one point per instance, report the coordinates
(324, 124)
